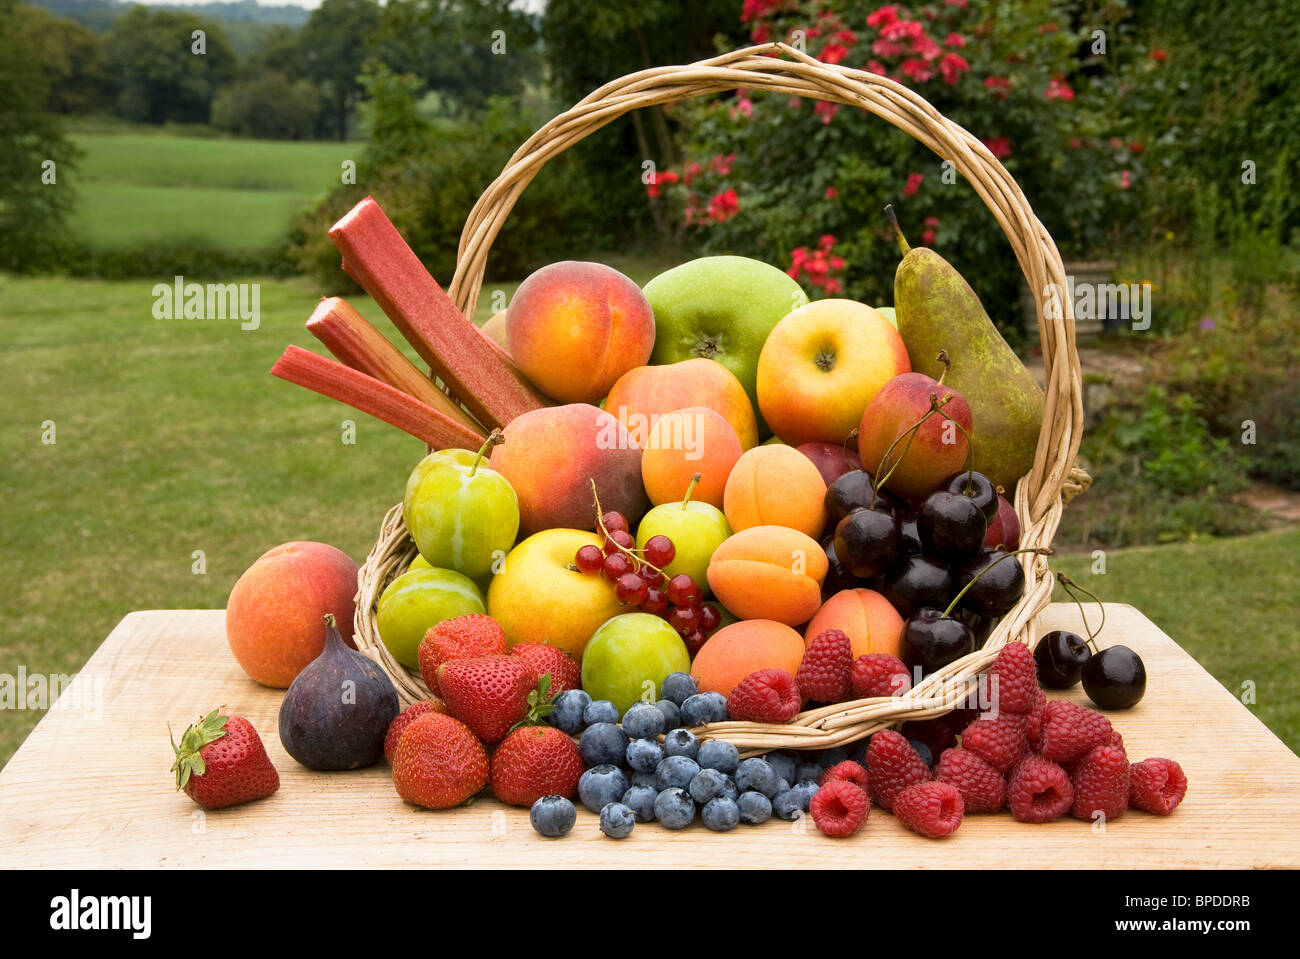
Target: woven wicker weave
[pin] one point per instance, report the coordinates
(1040, 496)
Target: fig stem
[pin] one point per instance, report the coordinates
(1040, 550)
(495, 438)
(1069, 586)
(898, 230)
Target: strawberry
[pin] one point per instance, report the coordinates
(438, 762)
(407, 716)
(563, 668)
(221, 762)
(460, 637)
(489, 694)
(535, 761)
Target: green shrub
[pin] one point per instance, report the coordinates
(171, 259)
(268, 106)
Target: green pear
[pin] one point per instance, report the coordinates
(937, 310)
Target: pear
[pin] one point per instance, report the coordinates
(938, 311)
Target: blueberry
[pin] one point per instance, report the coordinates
(923, 751)
(601, 744)
(784, 762)
(682, 742)
(552, 816)
(805, 791)
(793, 802)
(859, 752)
(643, 755)
(704, 708)
(755, 808)
(569, 706)
(720, 755)
(672, 715)
(643, 721)
(720, 814)
(600, 786)
(826, 758)
(674, 809)
(808, 770)
(641, 800)
(781, 786)
(757, 775)
(644, 779)
(600, 711)
(678, 687)
(675, 772)
(710, 784)
(616, 821)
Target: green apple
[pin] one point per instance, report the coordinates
(888, 313)
(695, 528)
(630, 656)
(418, 600)
(721, 308)
(461, 514)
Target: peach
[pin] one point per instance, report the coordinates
(865, 616)
(643, 395)
(820, 367)
(683, 443)
(775, 486)
(551, 455)
(495, 329)
(735, 651)
(275, 617)
(769, 572)
(574, 328)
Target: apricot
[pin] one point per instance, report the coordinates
(735, 651)
(865, 616)
(775, 486)
(683, 443)
(641, 396)
(769, 572)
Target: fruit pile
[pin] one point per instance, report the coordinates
(650, 511)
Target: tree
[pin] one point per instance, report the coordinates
(335, 43)
(267, 105)
(35, 156)
(155, 60)
(70, 56)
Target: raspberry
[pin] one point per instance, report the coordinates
(933, 809)
(1038, 790)
(1034, 725)
(839, 808)
(1156, 786)
(765, 696)
(893, 765)
(1068, 731)
(1100, 782)
(1013, 679)
(462, 637)
(879, 674)
(404, 719)
(981, 786)
(848, 771)
(999, 742)
(564, 669)
(825, 668)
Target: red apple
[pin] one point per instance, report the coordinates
(938, 449)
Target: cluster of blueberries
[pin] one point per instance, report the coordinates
(634, 777)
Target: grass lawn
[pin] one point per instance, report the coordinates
(137, 189)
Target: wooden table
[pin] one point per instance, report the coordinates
(90, 787)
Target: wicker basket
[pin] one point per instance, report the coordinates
(1040, 495)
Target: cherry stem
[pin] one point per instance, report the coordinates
(936, 405)
(1040, 550)
(495, 438)
(604, 531)
(1069, 586)
(695, 480)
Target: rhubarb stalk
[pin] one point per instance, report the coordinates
(488, 383)
(369, 395)
(353, 340)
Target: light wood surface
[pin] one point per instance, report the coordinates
(90, 787)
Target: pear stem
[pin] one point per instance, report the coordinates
(1040, 550)
(695, 480)
(898, 230)
(495, 438)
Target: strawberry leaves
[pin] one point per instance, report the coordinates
(189, 757)
(539, 704)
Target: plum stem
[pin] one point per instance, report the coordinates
(495, 438)
(695, 480)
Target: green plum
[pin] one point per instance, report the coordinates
(461, 514)
(629, 657)
(418, 600)
(888, 313)
(696, 529)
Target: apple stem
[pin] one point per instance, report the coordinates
(1069, 586)
(935, 406)
(695, 480)
(898, 230)
(947, 365)
(495, 438)
(853, 433)
(1040, 550)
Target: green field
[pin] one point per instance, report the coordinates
(138, 189)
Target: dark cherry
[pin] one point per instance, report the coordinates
(916, 581)
(978, 487)
(996, 591)
(1115, 678)
(851, 491)
(838, 576)
(981, 627)
(952, 526)
(1061, 656)
(909, 541)
(932, 640)
(866, 541)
